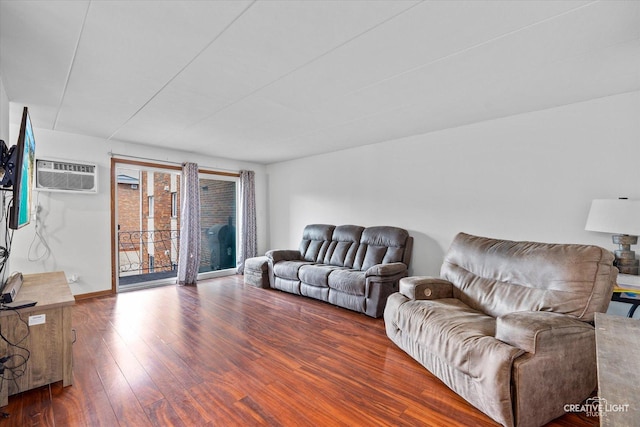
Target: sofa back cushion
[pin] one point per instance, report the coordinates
(315, 242)
(344, 245)
(501, 276)
(382, 245)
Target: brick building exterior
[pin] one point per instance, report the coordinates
(128, 212)
(129, 225)
(159, 226)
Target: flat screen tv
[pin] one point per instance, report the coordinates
(23, 164)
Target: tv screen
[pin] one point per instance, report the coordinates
(20, 210)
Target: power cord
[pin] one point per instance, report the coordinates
(18, 368)
(19, 354)
(5, 251)
(38, 235)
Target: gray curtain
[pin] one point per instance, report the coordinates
(189, 253)
(248, 237)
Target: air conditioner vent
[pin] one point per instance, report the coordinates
(67, 176)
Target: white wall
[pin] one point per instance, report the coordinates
(77, 227)
(4, 113)
(4, 135)
(530, 176)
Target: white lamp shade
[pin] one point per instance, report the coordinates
(615, 216)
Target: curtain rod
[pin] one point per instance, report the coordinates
(230, 171)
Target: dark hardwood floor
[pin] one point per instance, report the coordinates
(226, 354)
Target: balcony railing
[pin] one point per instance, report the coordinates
(147, 251)
(147, 255)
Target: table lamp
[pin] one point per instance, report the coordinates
(620, 217)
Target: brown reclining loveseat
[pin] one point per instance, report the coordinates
(508, 325)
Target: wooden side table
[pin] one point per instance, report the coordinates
(49, 339)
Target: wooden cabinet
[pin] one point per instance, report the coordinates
(47, 341)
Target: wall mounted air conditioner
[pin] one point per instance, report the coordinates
(67, 176)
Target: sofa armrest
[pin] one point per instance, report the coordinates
(277, 255)
(533, 331)
(425, 288)
(389, 269)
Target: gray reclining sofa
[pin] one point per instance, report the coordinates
(347, 265)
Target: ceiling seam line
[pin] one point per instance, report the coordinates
(311, 61)
(73, 61)
(395, 75)
(196, 56)
(467, 49)
(439, 129)
(435, 61)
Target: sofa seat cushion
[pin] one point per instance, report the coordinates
(461, 337)
(352, 282)
(289, 269)
(316, 274)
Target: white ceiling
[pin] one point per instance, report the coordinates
(267, 81)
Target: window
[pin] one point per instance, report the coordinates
(151, 206)
(152, 262)
(174, 204)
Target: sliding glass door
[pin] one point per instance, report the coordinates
(146, 211)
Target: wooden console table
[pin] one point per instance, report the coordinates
(617, 348)
(49, 342)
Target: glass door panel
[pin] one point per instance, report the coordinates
(218, 224)
(148, 230)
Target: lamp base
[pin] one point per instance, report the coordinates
(626, 258)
